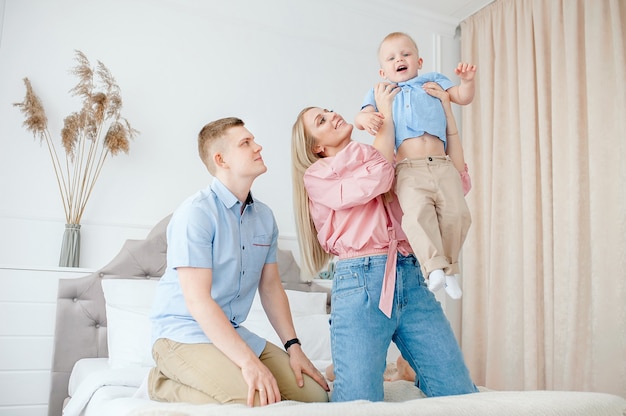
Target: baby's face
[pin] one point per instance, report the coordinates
(399, 59)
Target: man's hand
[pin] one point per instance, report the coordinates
(259, 378)
(300, 364)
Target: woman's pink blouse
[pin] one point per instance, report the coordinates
(346, 202)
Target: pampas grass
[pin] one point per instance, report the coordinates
(88, 136)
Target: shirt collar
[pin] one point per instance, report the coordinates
(226, 196)
(413, 82)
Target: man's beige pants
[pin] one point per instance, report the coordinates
(201, 373)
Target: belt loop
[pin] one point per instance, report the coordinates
(366, 262)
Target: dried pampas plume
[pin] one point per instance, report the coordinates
(88, 136)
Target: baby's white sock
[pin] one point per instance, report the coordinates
(436, 280)
(452, 287)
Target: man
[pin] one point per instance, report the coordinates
(222, 246)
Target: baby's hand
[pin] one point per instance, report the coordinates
(465, 71)
(371, 121)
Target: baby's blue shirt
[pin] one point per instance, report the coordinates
(414, 111)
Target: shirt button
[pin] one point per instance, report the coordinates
(430, 159)
(243, 247)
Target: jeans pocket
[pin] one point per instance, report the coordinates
(346, 282)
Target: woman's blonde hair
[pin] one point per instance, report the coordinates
(312, 255)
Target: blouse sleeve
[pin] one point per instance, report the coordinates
(356, 175)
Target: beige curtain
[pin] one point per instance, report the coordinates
(544, 264)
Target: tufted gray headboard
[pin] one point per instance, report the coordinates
(80, 330)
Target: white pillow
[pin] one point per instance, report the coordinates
(300, 303)
(308, 310)
(129, 329)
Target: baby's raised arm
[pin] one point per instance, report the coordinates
(464, 93)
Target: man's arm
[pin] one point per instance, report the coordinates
(276, 306)
(196, 286)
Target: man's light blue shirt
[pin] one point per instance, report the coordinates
(209, 231)
(414, 111)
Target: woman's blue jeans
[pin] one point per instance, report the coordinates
(361, 333)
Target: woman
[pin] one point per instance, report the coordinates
(344, 207)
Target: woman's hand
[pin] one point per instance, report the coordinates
(435, 90)
(384, 93)
(371, 121)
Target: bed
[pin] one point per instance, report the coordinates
(102, 354)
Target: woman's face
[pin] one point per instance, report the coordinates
(331, 132)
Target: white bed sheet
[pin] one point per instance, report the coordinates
(95, 385)
(492, 403)
(98, 388)
(119, 392)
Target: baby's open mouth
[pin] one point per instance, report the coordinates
(401, 68)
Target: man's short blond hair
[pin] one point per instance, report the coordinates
(209, 139)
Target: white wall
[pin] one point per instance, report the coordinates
(181, 64)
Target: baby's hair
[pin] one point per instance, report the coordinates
(209, 136)
(395, 35)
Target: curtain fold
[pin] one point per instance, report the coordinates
(544, 264)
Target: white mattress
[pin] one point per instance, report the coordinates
(97, 388)
(100, 390)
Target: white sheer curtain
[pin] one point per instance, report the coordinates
(544, 265)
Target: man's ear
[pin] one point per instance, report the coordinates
(218, 159)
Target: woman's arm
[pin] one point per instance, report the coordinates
(454, 149)
(384, 141)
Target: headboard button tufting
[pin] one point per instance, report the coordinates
(75, 300)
